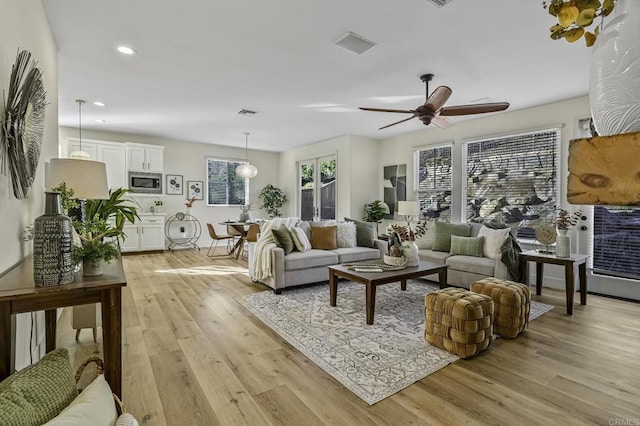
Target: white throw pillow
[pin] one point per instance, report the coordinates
(346, 235)
(426, 241)
(493, 241)
(94, 406)
(300, 239)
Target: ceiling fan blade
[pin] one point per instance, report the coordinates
(438, 98)
(442, 122)
(474, 108)
(397, 122)
(404, 111)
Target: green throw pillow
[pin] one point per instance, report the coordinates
(365, 233)
(444, 231)
(467, 246)
(39, 392)
(283, 239)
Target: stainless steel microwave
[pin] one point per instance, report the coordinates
(145, 183)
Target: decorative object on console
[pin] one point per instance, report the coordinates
(546, 235)
(194, 188)
(614, 89)
(245, 214)
(246, 170)
(375, 211)
(23, 124)
(174, 185)
(53, 262)
(564, 222)
(272, 200)
(574, 16)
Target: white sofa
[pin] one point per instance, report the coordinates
(465, 270)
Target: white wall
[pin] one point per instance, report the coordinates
(23, 25)
(357, 173)
(189, 160)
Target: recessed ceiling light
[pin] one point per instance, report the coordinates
(126, 50)
(100, 120)
(98, 103)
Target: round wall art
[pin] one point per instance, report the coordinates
(22, 124)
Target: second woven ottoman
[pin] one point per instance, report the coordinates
(458, 321)
(512, 303)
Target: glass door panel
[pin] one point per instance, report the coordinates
(307, 195)
(317, 180)
(327, 195)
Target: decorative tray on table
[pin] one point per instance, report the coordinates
(372, 267)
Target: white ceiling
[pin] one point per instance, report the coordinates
(200, 61)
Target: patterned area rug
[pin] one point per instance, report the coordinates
(372, 361)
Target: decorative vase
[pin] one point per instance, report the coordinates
(614, 88)
(52, 237)
(563, 244)
(244, 216)
(92, 268)
(410, 252)
(188, 211)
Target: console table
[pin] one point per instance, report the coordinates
(569, 263)
(18, 294)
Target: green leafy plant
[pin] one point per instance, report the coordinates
(66, 196)
(272, 200)
(576, 15)
(374, 211)
(115, 207)
(93, 246)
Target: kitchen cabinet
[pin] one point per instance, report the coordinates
(147, 234)
(113, 154)
(148, 158)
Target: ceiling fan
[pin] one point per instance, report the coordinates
(433, 110)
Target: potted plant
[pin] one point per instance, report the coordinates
(564, 222)
(272, 200)
(375, 211)
(95, 245)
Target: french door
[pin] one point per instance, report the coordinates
(317, 188)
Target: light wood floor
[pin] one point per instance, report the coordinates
(193, 355)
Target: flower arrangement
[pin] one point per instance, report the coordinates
(576, 15)
(406, 233)
(190, 201)
(565, 220)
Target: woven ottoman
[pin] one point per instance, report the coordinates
(458, 321)
(512, 302)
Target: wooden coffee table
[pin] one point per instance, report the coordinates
(373, 279)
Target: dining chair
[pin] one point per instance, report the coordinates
(215, 239)
(252, 236)
(235, 234)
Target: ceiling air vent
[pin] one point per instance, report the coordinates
(246, 112)
(439, 3)
(354, 43)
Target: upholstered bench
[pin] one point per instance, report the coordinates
(458, 321)
(512, 302)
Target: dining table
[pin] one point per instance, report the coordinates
(242, 228)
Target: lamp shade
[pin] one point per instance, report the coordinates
(408, 208)
(247, 170)
(88, 179)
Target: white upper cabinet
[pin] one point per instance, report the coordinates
(148, 158)
(111, 153)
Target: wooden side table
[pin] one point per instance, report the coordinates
(18, 294)
(569, 263)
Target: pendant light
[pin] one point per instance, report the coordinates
(246, 170)
(80, 154)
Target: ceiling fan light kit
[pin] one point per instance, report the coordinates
(433, 110)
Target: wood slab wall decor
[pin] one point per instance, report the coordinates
(605, 170)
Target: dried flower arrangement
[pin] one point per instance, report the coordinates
(190, 201)
(565, 220)
(406, 233)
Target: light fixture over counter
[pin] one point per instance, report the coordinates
(80, 154)
(246, 170)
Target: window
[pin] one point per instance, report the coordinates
(513, 180)
(224, 187)
(432, 182)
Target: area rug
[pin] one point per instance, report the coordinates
(372, 361)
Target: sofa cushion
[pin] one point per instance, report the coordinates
(300, 239)
(445, 230)
(356, 254)
(468, 246)
(39, 392)
(346, 235)
(324, 237)
(306, 227)
(433, 256)
(426, 241)
(311, 259)
(283, 238)
(478, 265)
(493, 241)
(365, 233)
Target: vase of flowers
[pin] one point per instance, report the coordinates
(407, 235)
(245, 214)
(564, 222)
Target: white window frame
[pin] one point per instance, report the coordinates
(416, 174)
(246, 182)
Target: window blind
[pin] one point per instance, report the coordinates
(224, 187)
(513, 180)
(616, 241)
(432, 182)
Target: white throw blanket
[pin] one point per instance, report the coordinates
(261, 262)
